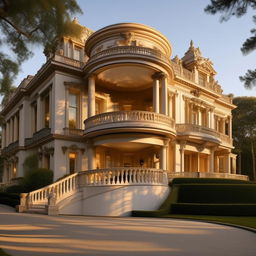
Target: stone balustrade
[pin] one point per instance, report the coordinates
(173, 175)
(62, 189)
(68, 61)
(132, 50)
(99, 177)
(187, 74)
(129, 116)
(183, 129)
(124, 176)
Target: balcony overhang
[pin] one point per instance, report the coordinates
(129, 121)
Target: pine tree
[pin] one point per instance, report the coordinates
(27, 22)
(238, 8)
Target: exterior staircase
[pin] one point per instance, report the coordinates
(91, 189)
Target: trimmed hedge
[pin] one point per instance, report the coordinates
(217, 193)
(208, 181)
(214, 209)
(9, 199)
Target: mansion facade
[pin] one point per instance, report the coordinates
(115, 100)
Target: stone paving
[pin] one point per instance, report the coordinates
(42, 235)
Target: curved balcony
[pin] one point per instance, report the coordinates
(124, 176)
(128, 56)
(129, 121)
(198, 132)
(130, 51)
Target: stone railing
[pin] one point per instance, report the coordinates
(133, 50)
(99, 177)
(10, 148)
(187, 74)
(187, 128)
(129, 116)
(68, 61)
(62, 189)
(173, 175)
(73, 132)
(38, 136)
(124, 176)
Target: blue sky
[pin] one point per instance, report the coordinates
(180, 21)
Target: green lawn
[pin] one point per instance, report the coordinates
(241, 221)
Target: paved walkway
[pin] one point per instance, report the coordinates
(41, 235)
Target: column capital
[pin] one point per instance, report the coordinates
(159, 75)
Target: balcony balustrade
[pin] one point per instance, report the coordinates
(129, 119)
(188, 75)
(192, 129)
(37, 136)
(10, 148)
(73, 132)
(68, 61)
(130, 50)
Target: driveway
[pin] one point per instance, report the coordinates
(42, 235)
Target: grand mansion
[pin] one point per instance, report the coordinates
(115, 108)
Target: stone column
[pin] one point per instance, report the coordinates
(163, 155)
(15, 124)
(91, 95)
(156, 92)
(199, 116)
(66, 107)
(198, 162)
(182, 149)
(164, 94)
(230, 127)
(3, 135)
(39, 115)
(211, 164)
(228, 169)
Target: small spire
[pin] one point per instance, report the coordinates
(191, 43)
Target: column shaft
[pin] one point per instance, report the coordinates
(91, 96)
(164, 94)
(156, 95)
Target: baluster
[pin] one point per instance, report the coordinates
(122, 176)
(126, 176)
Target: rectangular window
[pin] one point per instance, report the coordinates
(201, 79)
(77, 53)
(72, 162)
(47, 111)
(18, 127)
(73, 111)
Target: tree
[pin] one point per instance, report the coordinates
(238, 8)
(27, 22)
(244, 133)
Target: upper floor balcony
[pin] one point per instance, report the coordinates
(198, 132)
(128, 43)
(129, 121)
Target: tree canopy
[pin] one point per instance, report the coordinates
(244, 133)
(238, 8)
(27, 22)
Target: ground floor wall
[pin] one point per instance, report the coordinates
(115, 200)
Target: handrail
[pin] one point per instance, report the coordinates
(128, 116)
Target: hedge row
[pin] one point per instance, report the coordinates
(216, 193)
(214, 209)
(9, 199)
